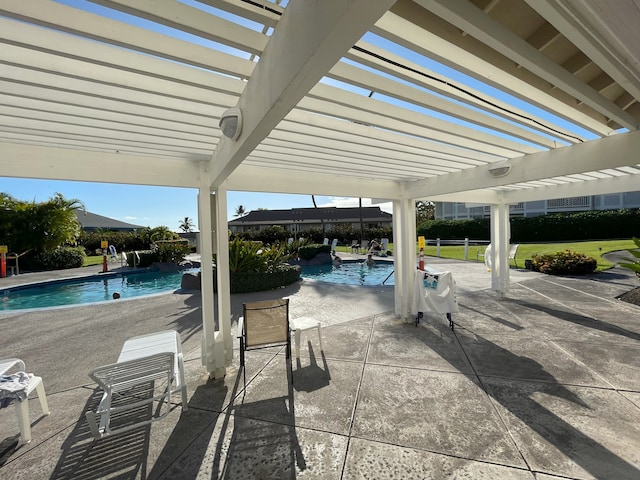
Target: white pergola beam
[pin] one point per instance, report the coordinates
(403, 32)
(310, 38)
(192, 20)
(590, 26)
(87, 166)
(402, 68)
(610, 152)
(97, 27)
(259, 179)
(471, 19)
(390, 87)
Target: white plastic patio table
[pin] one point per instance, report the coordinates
(304, 324)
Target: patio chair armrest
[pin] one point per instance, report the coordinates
(7, 364)
(240, 331)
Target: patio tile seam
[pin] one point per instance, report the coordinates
(546, 382)
(495, 409)
(583, 293)
(443, 454)
(35, 445)
(422, 369)
(580, 362)
(357, 397)
(577, 311)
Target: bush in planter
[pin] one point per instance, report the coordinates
(564, 263)
(283, 275)
(145, 258)
(307, 252)
(254, 267)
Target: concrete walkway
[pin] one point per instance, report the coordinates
(542, 384)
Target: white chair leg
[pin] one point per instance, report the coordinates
(22, 409)
(298, 335)
(42, 396)
(320, 338)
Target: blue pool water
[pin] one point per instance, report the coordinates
(351, 273)
(88, 290)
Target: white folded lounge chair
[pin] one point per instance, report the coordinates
(138, 387)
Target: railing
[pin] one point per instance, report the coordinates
(466, 242)
(572, 202)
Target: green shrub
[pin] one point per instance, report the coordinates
(145, 258)
(172, 251)
(283, 275)
(307, 252)
(475, 228)
(59, 259)
(564, 263)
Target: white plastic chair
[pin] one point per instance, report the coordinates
(150, 368)
(22, 407)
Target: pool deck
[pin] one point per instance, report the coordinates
(542, 384)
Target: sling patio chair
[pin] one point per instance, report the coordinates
(265, 324)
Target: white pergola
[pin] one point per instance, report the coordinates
(337, 98)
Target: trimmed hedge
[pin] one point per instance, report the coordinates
(474, 228)
(556, 227)
(307, 252)
(244, 282)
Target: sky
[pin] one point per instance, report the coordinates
(155, 206)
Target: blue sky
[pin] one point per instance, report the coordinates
(154, 206)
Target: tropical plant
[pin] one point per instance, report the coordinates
(186, 225)
(240, 211)
(172, 251)
(248, 256)
(41, 227)
(635, 265)
(162, 233)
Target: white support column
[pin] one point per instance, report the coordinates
(222, 269)
(404, 253)
(500, 237)
(212, 351)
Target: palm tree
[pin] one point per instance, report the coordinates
(161, 233)
(240, 211)
(186, 225)
(313, 199)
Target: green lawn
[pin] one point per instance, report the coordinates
(93, 260)
(526, 250)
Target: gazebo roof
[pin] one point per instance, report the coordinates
(340, 97)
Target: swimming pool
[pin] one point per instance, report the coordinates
(88, 289)
(351, 273)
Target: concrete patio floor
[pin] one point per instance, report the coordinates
(542, 384)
